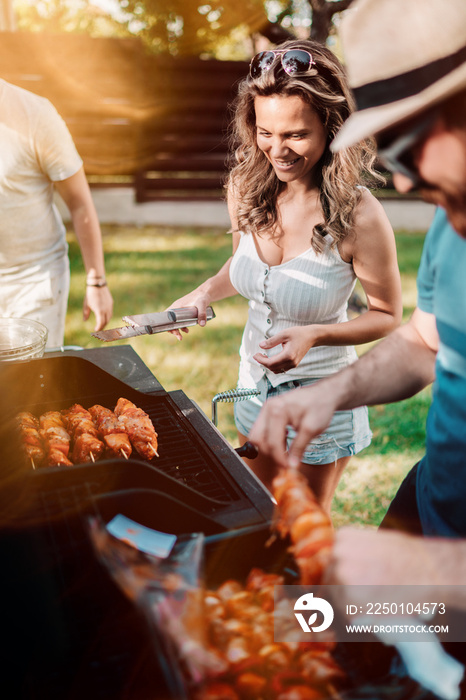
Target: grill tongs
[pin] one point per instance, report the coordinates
(147, 324)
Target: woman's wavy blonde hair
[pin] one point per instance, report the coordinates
(252, 178)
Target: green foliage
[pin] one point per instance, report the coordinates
(400, 427)
(409, 246)
(191, 26)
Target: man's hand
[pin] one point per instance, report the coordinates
(363, 558)
(379, 558)
(365, 562)
(309, 411)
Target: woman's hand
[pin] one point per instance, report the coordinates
(100, 301)
(213, 289)
(197, 298)
(295, 342)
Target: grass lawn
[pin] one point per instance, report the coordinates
(148, 268)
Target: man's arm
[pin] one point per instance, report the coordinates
(398, 367)
(76, 194)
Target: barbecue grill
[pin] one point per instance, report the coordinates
(71, 632)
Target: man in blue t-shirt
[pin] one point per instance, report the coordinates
(410, 95)
(432, 498)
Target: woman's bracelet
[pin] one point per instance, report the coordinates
(103, 283)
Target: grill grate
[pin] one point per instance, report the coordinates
(183, 457)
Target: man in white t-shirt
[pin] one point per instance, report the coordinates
(38, 156)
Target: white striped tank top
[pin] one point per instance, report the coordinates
(311, 288)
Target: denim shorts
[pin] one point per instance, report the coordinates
(347, 434)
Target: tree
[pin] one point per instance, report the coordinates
(179, 26)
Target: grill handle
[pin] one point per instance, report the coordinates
(231, 396)
(247, 450)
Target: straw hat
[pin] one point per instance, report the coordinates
(402, 56)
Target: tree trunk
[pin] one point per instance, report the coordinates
(321, 24)
(275, 33)
(322, 17)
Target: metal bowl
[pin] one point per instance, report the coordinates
(21, 339)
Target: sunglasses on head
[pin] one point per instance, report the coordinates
(395, 148)
(294, 61)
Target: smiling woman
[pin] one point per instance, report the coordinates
(303, 230)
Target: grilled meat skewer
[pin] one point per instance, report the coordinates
(56, 438)
(86, 444)
(300, 516)
(112, 431)
(139, 428)
(31, 441)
